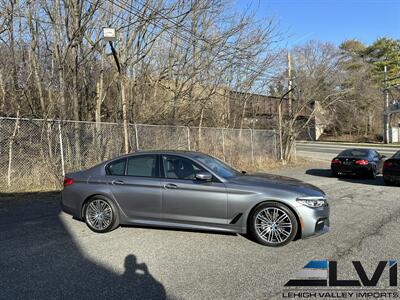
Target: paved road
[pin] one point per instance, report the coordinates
(326, 151)
(47, 254)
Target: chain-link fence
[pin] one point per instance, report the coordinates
(35, 154)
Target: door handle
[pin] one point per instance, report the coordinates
(118, 182)
(170, 186)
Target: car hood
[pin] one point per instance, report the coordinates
(277, 181)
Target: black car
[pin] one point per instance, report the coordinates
(391, 169)
(360, 162)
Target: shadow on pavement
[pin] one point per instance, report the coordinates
(40, 259)
(353, 179)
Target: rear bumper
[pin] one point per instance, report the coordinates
(68, 208)
(351, 170)
(391, 177)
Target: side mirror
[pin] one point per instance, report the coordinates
(383, 156)
(204, 176)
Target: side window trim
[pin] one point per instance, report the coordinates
(160, 167)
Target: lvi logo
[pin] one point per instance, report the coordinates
(319, 273)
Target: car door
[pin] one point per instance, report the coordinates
(138, 189)
(186, 199)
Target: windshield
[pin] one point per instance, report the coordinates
(355, 153)
(218, 167)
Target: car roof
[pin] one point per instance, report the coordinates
(178, 152)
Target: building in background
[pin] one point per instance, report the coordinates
(261, 111)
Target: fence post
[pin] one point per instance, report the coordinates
(61, 149)
(10, 150)
(275, 146)
(295, 150)
(252, 145)
(188, 137)
(223, 143)
(136, 138)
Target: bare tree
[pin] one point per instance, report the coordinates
(318, 80)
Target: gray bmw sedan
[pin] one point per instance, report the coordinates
(192, 190)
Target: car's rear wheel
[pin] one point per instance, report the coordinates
(273, 224)
(372, 173)
(334, 174)
(101, 215)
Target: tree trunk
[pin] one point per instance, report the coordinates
(34, 64)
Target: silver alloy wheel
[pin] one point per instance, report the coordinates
(273, 225)
(99, 214)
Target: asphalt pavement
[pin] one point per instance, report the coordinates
(46, 254)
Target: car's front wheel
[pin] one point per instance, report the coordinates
(101, 215)
(273, 224)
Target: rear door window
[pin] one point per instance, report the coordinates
(143, 166)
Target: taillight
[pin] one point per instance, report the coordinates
(361, 162)
(387, 164)
(68, 181)
(335, 161)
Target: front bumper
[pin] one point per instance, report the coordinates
(314, 221)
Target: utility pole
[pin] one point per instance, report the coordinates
(109, 35)
(289, 61)
(280, 129)
(386, 113)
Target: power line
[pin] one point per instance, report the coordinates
(190, 31)
(136, 12)
(139, 17)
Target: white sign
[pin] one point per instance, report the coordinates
(109, 34)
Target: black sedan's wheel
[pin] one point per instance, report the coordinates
(273, 224)
(101, 215)
(334, 174)
(388, 182)
(372, 173)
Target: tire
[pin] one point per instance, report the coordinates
(334, 174)
(372, 174)
(105, 222)
(388, 182)
(273, 235)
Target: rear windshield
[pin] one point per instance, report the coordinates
(396, 155)
(355, 153)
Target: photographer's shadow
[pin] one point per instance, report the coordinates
(41, 259)
(137, 277)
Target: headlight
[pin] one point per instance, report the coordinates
(312, 201)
